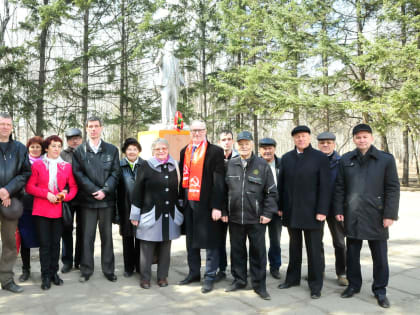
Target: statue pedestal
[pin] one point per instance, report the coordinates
(177, 140)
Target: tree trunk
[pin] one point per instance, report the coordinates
(255, 119)
(39, 111)
(85, 69)
(406, 159)
(416, 159)
(4, 21)
(123, 70)
(203, 25)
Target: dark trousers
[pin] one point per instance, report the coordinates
(49, 233)
(257, 253)
(274, 234)
(91, 217)
(147, 250)
(67, 241)
(379, 252)
(337, 233)
(131, 253)
(8, 249)
(193, 254)
(25, 254)
(313, 253)
(222, 249)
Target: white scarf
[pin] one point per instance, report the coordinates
(51, 165)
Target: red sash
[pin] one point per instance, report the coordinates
(193, 170)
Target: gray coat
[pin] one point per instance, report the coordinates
(155, 201)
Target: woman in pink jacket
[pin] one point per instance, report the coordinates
(51, 180)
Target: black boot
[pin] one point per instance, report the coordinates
(25, 275)
(46, 283)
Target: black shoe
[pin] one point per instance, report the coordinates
(275, 273)
(349, 292)
(220, 276)
(315, 295)
(235, 286)
(25, 275)
(57, 280)
(207, 286)
(66, 268)
(111, 277)
(84, 278)
(46, 283)
(263, 294)
(12, 287)
(382, 301)
(128, 274)
(189, 279)
(286, 285)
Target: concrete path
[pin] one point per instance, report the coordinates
(99, 296)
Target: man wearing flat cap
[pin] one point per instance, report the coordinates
(366, 198)
(252, 201)
(267, 150)
(74, 139)
(305, 197)
(326, 144)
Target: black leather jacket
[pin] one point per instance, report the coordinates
(251, 190)
(15, 168)
(95, 172)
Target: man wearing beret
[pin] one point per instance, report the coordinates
(74, 139)
(252, 201)
(326, 144)
(267, 150)
(305, 197)
(366, 198)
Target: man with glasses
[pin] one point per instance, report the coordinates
(203, 197)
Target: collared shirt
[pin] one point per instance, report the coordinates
(95, 149)
(273, 169)
(132, 164)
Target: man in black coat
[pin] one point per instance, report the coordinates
(366, 198)
(15, 171)
(326, 144)
(203, 194)
(305, 196)
(267, 150)
(96, 169)
(252, 196)
(74, 139)
(226, 143)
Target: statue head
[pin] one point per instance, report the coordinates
(169, 46)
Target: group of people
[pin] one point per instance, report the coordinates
(211, 190)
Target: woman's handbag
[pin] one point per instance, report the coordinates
(67, 216)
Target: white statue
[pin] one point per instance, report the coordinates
(169, 81)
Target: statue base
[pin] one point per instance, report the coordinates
(177, 140)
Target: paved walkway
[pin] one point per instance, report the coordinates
(99, 296)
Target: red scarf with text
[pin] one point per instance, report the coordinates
(193, 170)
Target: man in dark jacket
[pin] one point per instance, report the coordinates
(267, 150)
(326, 144)
(15, 171)
(203, 194)
(252, 202)
(226, 143)
(96, 168)
(366, 198)
(305, 197)
(74, 139)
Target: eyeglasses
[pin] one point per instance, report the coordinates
(197, 130)
(161, 149)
